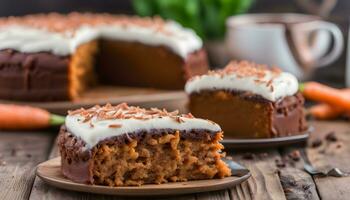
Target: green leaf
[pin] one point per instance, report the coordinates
(143, 8)
(56, 120)
(301, 87)
(206, 17)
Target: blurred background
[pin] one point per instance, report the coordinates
(206, 17)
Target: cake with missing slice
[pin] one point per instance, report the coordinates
(54, 57)
(126, 146)
(249, 100)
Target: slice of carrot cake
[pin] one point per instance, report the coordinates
(249, 100)
(124, 145)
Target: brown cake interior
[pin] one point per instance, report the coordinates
(137, 64)
(243, 115)
(33, 76)
(141, 158)
(125, 63)
(82, 68)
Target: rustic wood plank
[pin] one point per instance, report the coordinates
(219, 195)
(296, 183)
(20, 153)
(331, 154)
(264, 183)
(242, 192)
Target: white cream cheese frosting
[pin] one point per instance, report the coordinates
(271, 84)
(92, 126)
(30, 39)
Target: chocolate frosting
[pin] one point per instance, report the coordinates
(76, 161)
(288, 116)
(242, 94)
(33, 76)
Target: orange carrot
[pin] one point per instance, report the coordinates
(15, 117)
(322, 93)
(325, 111)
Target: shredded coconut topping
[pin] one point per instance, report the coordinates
(61, 23)
(268, 82)
(123, 111)
(244, 69)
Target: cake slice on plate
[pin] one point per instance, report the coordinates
(249, 100)
(125, 146)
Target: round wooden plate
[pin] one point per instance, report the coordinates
(50, 172)
(267, 142)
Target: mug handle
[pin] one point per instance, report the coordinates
(338, 44)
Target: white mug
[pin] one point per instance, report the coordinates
(294, 42)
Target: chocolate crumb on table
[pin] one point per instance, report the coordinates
(280, 163)
(316, 143)
(331, 137)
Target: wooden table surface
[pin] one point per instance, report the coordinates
(276, 173)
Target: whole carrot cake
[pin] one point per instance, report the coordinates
(249, 100)
(126, 146)
(49, 57)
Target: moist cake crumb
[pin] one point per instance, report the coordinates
(177, 147)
